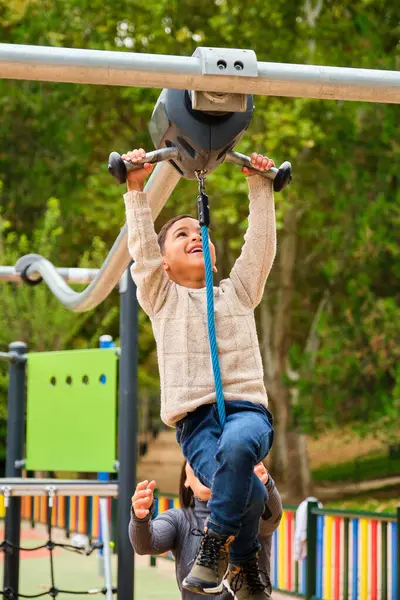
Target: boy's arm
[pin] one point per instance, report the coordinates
(252, 268)
(147, 271)
(154, 536)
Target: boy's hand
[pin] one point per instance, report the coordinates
(135, 179)
(259, 162)
(261, 472)
(143, 498)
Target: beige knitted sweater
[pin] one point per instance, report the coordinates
(179, 314)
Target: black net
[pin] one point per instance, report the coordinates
(7, 547)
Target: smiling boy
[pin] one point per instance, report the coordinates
(170, 278)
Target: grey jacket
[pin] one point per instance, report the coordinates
(174, 531)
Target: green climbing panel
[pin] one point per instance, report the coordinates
(71, 410)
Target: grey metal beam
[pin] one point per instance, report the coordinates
(10, 486)
(71, 275)
(42, 63)
(159, 187)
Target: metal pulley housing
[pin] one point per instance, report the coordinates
(202, 138)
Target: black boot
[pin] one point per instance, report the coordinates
(244, 582)
(211, 564)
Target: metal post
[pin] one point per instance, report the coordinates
(15, 450)
(311, 550)
(105, 532)
(127, 431)
(105, 341)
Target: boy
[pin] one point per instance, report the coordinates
(170, 279)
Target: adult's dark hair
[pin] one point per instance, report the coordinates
(162, 235)
(186, 496)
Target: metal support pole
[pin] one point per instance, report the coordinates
(200, 72)
(105, 534)
(106, 341)
(127, 431)
(15, 450)
(311, 550)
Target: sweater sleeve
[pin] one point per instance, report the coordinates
(155, 536)
(250, 271)
(147, 271)
(272, 515)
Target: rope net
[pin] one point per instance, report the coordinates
(9, 593)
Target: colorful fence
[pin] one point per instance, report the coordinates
(356, 556)
(78, 514)
(350, 556)
(163, 503)
(287, 574)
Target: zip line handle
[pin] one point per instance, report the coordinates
(281, 176)
(119, 168)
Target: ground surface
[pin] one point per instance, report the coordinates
(76, 572)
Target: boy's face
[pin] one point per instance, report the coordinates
(183, 255)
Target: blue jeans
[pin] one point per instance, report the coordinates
(224, 462)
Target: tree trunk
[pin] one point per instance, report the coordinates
(298, 485)
(280, 452)
(289, 460)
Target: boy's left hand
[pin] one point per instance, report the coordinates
(259, 162)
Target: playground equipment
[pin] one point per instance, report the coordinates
(127, 425)
(71, 426)
(208, 70)
(197, 141)
(218, 71)
(214, 76)
(14, 489)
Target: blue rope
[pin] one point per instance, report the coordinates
(211, 326)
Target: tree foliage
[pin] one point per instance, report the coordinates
(342, 336)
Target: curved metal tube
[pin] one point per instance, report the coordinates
(70, 274)
(159, 187)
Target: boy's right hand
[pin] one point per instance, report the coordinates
(143, 498)
(135, 179)
(261, 472)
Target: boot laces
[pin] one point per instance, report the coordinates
(249, 575)
(210, 550)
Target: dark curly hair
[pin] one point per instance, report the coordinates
(165, 228)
